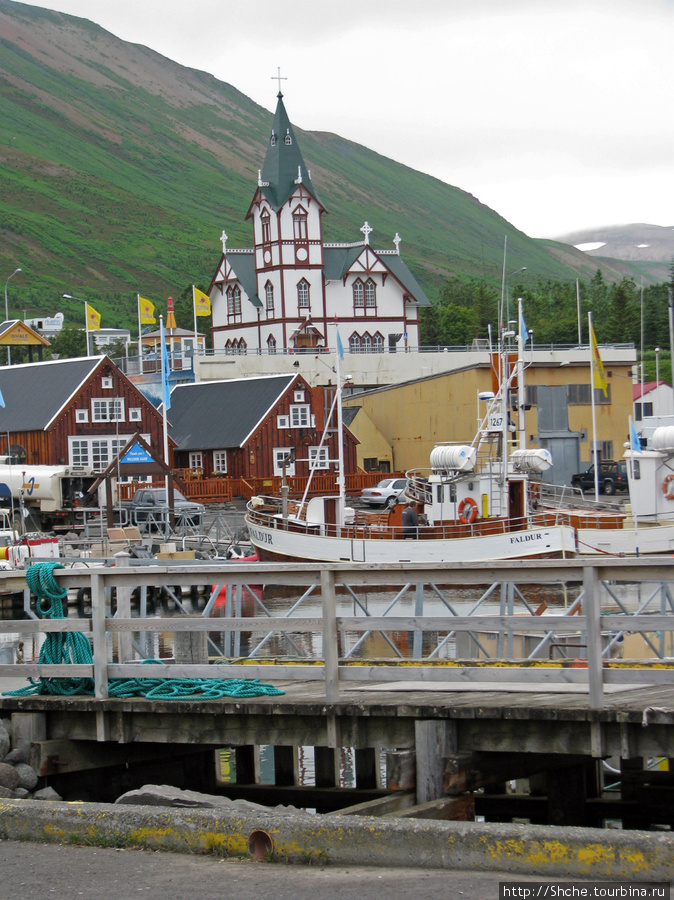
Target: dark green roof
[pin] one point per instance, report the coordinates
(283, 161)
(243, 266)
(338, 260)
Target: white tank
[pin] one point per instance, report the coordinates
(662, 439)
(457, 458)
(531, 460)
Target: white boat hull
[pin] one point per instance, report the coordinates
(626, 541)
(276, 543)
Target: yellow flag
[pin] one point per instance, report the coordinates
(598, 375)
(146, 309)
(93, 319)
(202, 303)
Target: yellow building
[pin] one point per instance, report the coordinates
(413, 417)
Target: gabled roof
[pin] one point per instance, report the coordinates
(35, 393)
(213, 415)
(339, 260)
(283, 161)
(17, 326)
(647, 387)
(243, 266)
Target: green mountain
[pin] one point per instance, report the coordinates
(119, 170)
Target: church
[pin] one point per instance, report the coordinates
(288, 293)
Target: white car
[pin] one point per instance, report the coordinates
(387, 493)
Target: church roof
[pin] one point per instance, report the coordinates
(243, 266)
(338, 261)
(283, 161)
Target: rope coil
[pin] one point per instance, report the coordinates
(73, 647)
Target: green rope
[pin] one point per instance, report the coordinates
(72, 647)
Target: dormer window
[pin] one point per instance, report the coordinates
(300, 224)
(288, 138)
(272, 140)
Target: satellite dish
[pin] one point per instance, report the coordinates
(16, 454)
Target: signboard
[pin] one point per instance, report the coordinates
(136, 454)
(495, 422)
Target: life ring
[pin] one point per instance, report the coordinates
(468, 511)
(666, 489)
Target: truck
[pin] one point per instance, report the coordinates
(45, 498)
(148, 507)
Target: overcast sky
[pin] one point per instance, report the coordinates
(556, 113)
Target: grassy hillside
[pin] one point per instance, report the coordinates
(119, 169)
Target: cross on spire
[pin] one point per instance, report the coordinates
(278, 77)
(223, 238)
(367, 231)
(396, 240)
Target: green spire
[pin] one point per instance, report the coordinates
(283, 165)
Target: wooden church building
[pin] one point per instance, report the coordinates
(288, 291)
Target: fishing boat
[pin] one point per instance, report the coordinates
(476, 501)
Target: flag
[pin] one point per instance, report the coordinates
(202, 303)
(93, 319)
(2, 400)
(146, 311)
(635, 440)
(524, 331)
(165, 389)
(598, 375)
(340, 348)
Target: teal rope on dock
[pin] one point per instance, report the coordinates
(73, 647)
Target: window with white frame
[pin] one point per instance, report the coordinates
(271, 344)
(233, 301)
(97, 452)
(283, 421)
(79, 453)
(135, 414)
(284, 455)
(300, 224)
(288, 138)
(370, 294)
(219, 460)
(106, 382)
(378, 343)
(196, 458)
(366, 344)
(269, 297)
(300, 415)
(103, 410)
(81, 415)
(303, 294)
(354, 343)
(298, 396)
(266, 228)
(358, 294)
(318, 458)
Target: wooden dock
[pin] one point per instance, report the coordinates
(505, 739)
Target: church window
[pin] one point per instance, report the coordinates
(271, 344)
(288, 138)
(229, 348)
(300, 225)
(354, 343)
(269, 297)
(243, 347)
(366, 344)
(378, 343)
(303, 294)
(234, 302)
(273, 138)
(358, 294)
(370, 294)
(266, 228)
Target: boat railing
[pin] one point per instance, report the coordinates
(441, 618)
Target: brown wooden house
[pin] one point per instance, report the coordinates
(78, 412)
(248, 428)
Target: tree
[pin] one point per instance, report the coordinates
(69, 342)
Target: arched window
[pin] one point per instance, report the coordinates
(271, 344)
(288, 138)
(266, 228)
(378, 343)
(272, 140)
(300, 224)
(303, 294)
(354, 343)
(269, 297)
(358, 294)
(366, 344)
(243, 347)
(230, 301)
(370, 293)
(229, 348)
(237, 300)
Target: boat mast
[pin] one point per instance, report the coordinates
(340, 434)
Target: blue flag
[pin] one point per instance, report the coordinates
(2, 400)
(524, 331)
(165, 389)
(635, 440)
(340, 348)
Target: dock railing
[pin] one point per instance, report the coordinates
(603, 601)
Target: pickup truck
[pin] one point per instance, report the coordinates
(149, 506)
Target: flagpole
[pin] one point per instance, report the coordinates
(86, 325)
(594, 418)
(140, 337)
(340, 437)
(633, 450)
(520, 376)
(194, 310)
(164, 383)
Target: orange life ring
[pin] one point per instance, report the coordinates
(468, 511)
(669, 493)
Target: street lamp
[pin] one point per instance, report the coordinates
(9, 352)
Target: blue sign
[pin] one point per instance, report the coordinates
(136, 454)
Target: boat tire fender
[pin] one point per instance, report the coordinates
(468, 511)
(668, 487)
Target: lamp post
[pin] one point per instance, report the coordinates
(657, 377)
(9, 352)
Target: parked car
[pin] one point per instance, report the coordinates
(386, 493)
(612, 477)
(149, 505)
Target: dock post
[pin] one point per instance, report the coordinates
(286, 765)
(434, 741)
(592, 610)
(330, 651)
(124, 638)
(99, 636)
(368, 774)
(247, 764)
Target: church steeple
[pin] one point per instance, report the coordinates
(283, 167)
